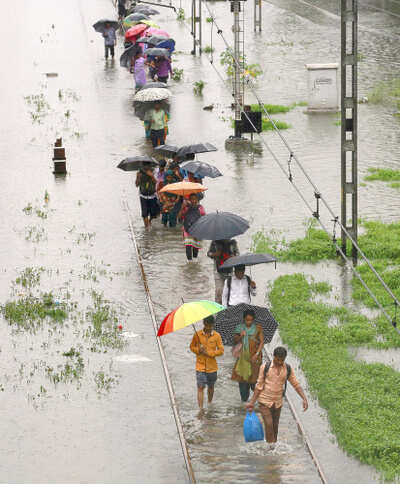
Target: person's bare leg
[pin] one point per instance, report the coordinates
(146, 222)
(200, 397)
(210, 393)
(268, 424)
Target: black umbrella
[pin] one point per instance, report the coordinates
(218, 226)
(248, 260)
(226, 322)
(167, 150)
(100, 25)
(155, 51)
(135, 163)
(153, 40)
(138, 16)
(150, 85)
(202, 169)
(130, 52)
(195, 148)
(145, 9)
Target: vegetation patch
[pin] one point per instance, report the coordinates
(362, 400)
(227, 60)
(386, 92)
(314, 247)
(268, 125)
(177, 74)
(385, 175)
(198, 87)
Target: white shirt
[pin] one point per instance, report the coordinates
(239, 292)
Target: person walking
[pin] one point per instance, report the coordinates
(158, 124)
(170, 203)
(139, 72)
(249, 337)
(206, 345)
(238, 288)
(220, 251)
(190, 212)
(147, 182)
(110, 40)
(270, 390)
(163, 66)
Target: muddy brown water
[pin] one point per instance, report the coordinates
(74, 431)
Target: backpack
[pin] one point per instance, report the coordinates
(288, 372)
(229, 283)
(147, 185)
(192, 215)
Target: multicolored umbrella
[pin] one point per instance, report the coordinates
(133, 19)
(150, 23)
(184, 188)
(133, 33)
(187, 314)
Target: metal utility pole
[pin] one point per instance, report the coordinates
(196, 25)
(238, 53)
(349, 98)
(257, 15)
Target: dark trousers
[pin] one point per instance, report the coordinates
(191, 252)
(157, 137)
(169, 217)
(163, 79)
(244, 389)
(271, 422)
(109, 48)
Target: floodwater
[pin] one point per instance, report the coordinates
(81, 429)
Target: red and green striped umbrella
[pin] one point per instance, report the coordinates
(187, 314)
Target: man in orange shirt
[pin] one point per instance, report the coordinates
(270, 390)
(206, 344)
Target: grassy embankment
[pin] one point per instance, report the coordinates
(362, 400)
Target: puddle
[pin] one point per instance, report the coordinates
(130, 358)
(389, 357)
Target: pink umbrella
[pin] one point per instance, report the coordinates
(153, 31)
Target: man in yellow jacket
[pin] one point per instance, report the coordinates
(206, 344)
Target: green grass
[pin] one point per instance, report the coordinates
(314, 247)
(268, 126)
(386, 92)
(271, 108)
(208, 49)
(362, 400)
(29, 312)
(385, 175)
(380, 243)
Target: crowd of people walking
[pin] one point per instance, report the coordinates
(173, 193)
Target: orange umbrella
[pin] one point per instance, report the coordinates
(184, 188)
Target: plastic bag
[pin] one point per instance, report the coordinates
(252, 428)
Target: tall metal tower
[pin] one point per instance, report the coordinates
(349, 98)
(196, 25)
(238, 54)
